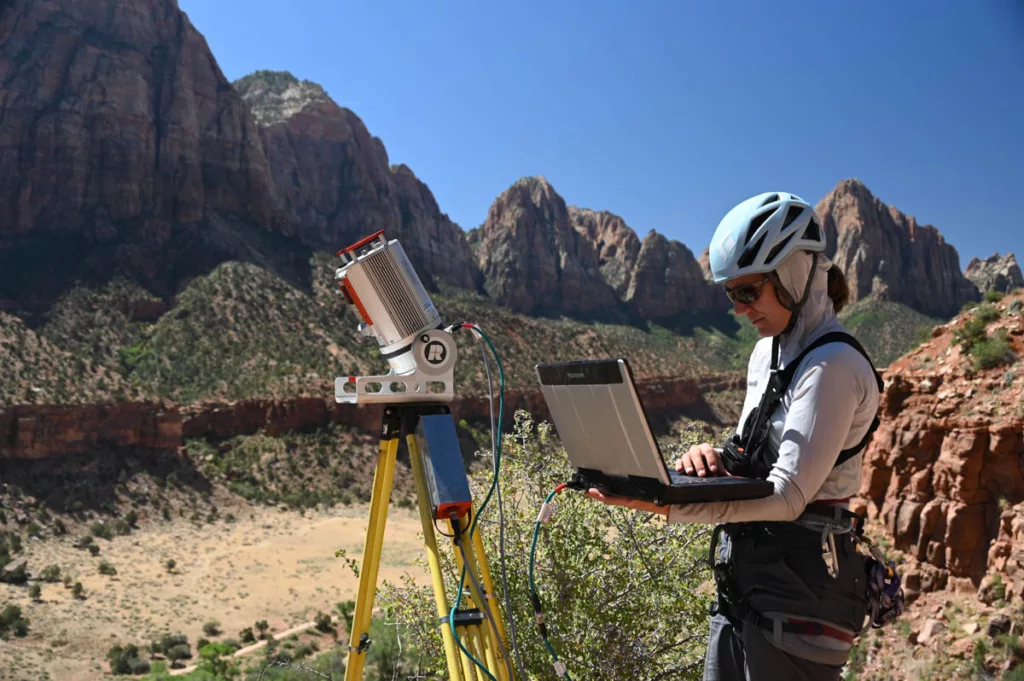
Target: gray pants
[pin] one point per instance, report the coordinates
(748, 656)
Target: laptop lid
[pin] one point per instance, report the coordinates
(597, 413)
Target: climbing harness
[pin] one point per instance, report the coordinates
(752, 454)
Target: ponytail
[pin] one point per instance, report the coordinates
(838, 290)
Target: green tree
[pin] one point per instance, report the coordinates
(625, 595)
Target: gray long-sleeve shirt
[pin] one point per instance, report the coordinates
(828, 407)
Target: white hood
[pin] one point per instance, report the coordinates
(817, 316)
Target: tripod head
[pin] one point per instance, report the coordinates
(378, 280)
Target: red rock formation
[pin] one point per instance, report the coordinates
(668, 280)
(886, 254)
(44, 431)
(617, 245)
(948, 455)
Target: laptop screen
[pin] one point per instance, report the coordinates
(598, 416)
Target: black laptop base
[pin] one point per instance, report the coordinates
(684, 490)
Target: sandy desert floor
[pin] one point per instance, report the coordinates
(269, 564)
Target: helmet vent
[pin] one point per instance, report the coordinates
(813, 232)
(771, 199)
(792, 214)
(755, 224)
(775, 251)
(748, 255)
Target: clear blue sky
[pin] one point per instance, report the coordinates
(667, 112)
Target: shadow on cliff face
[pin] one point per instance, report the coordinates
(35, 270)
(101, 482)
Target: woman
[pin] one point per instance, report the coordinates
(791, 586)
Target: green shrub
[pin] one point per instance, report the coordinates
(179, 652)
(603, 574)
(968, 306)
(106, 568)
(11, 620)
(212, 628)
(987, 313)
(992, 351)
(972, 331)
(126, 660)
(101, 529)
(323, 622)
(993, 296)
(50, 573)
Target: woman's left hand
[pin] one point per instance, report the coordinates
(635, 504)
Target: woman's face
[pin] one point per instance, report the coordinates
(753, 295)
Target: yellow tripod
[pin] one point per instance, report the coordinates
(477, 635)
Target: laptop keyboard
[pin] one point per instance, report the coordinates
(678, 478)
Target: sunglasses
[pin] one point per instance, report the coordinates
(747, 293)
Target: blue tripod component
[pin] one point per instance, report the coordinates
(442, 463)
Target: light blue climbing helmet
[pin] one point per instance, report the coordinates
(759, 233)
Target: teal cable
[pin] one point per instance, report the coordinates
(487, 499)
(534, 597)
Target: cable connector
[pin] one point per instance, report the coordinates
(546, 511)
(560, 668)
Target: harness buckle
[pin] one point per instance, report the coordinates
(828, 551)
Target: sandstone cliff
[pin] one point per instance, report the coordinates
(945, 465)
(123, 148)
(41, 431)
(888, 255)
(537, 254)
(336, 183)
(995, 273)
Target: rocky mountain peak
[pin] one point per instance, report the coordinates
(337, 185)
(532, 258)
(275, 96)
(888, 255)
(995, 273)
(537, 253)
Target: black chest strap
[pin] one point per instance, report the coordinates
(778, 383)
(784, 376)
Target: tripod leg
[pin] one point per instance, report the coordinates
(456, 667)
(475, 646)
(470, 672)
(488, 645)
(383, 479)
(492, 602)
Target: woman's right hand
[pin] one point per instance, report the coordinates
(701, 460)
